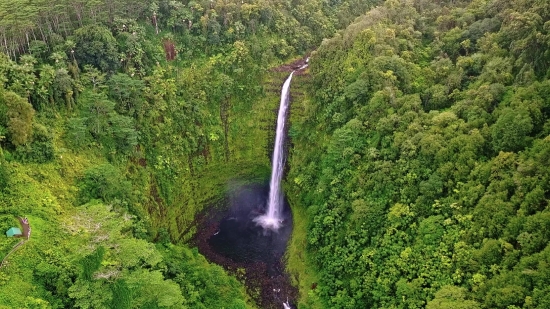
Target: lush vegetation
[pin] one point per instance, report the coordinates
(119, 122)
(421, 159)
(419, 171)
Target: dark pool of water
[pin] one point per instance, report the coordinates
(232, 239)
(241, 239)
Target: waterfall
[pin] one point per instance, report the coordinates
(272, 218)
(287, 305)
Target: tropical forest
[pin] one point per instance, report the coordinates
(268, 154)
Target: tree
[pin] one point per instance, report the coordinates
(95, 45)
(77, 133)
(128, 93)
(97, 109)
(123, 133)
(41, 149)
(22, 77)
(88, 295)
(511, 130)
(452, 297)
(93, 77)
(63, 88)
(103, 182)
(18, 118)
(44, 86)
(151, 290)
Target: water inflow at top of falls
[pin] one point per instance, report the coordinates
(272, 219)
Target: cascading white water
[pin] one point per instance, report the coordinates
(272, 218)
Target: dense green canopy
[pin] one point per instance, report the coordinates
(422, 158)
(418, 170)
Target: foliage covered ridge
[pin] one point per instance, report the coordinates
(422, 158)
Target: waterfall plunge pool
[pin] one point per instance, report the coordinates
(242, 239)
(231, 238)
